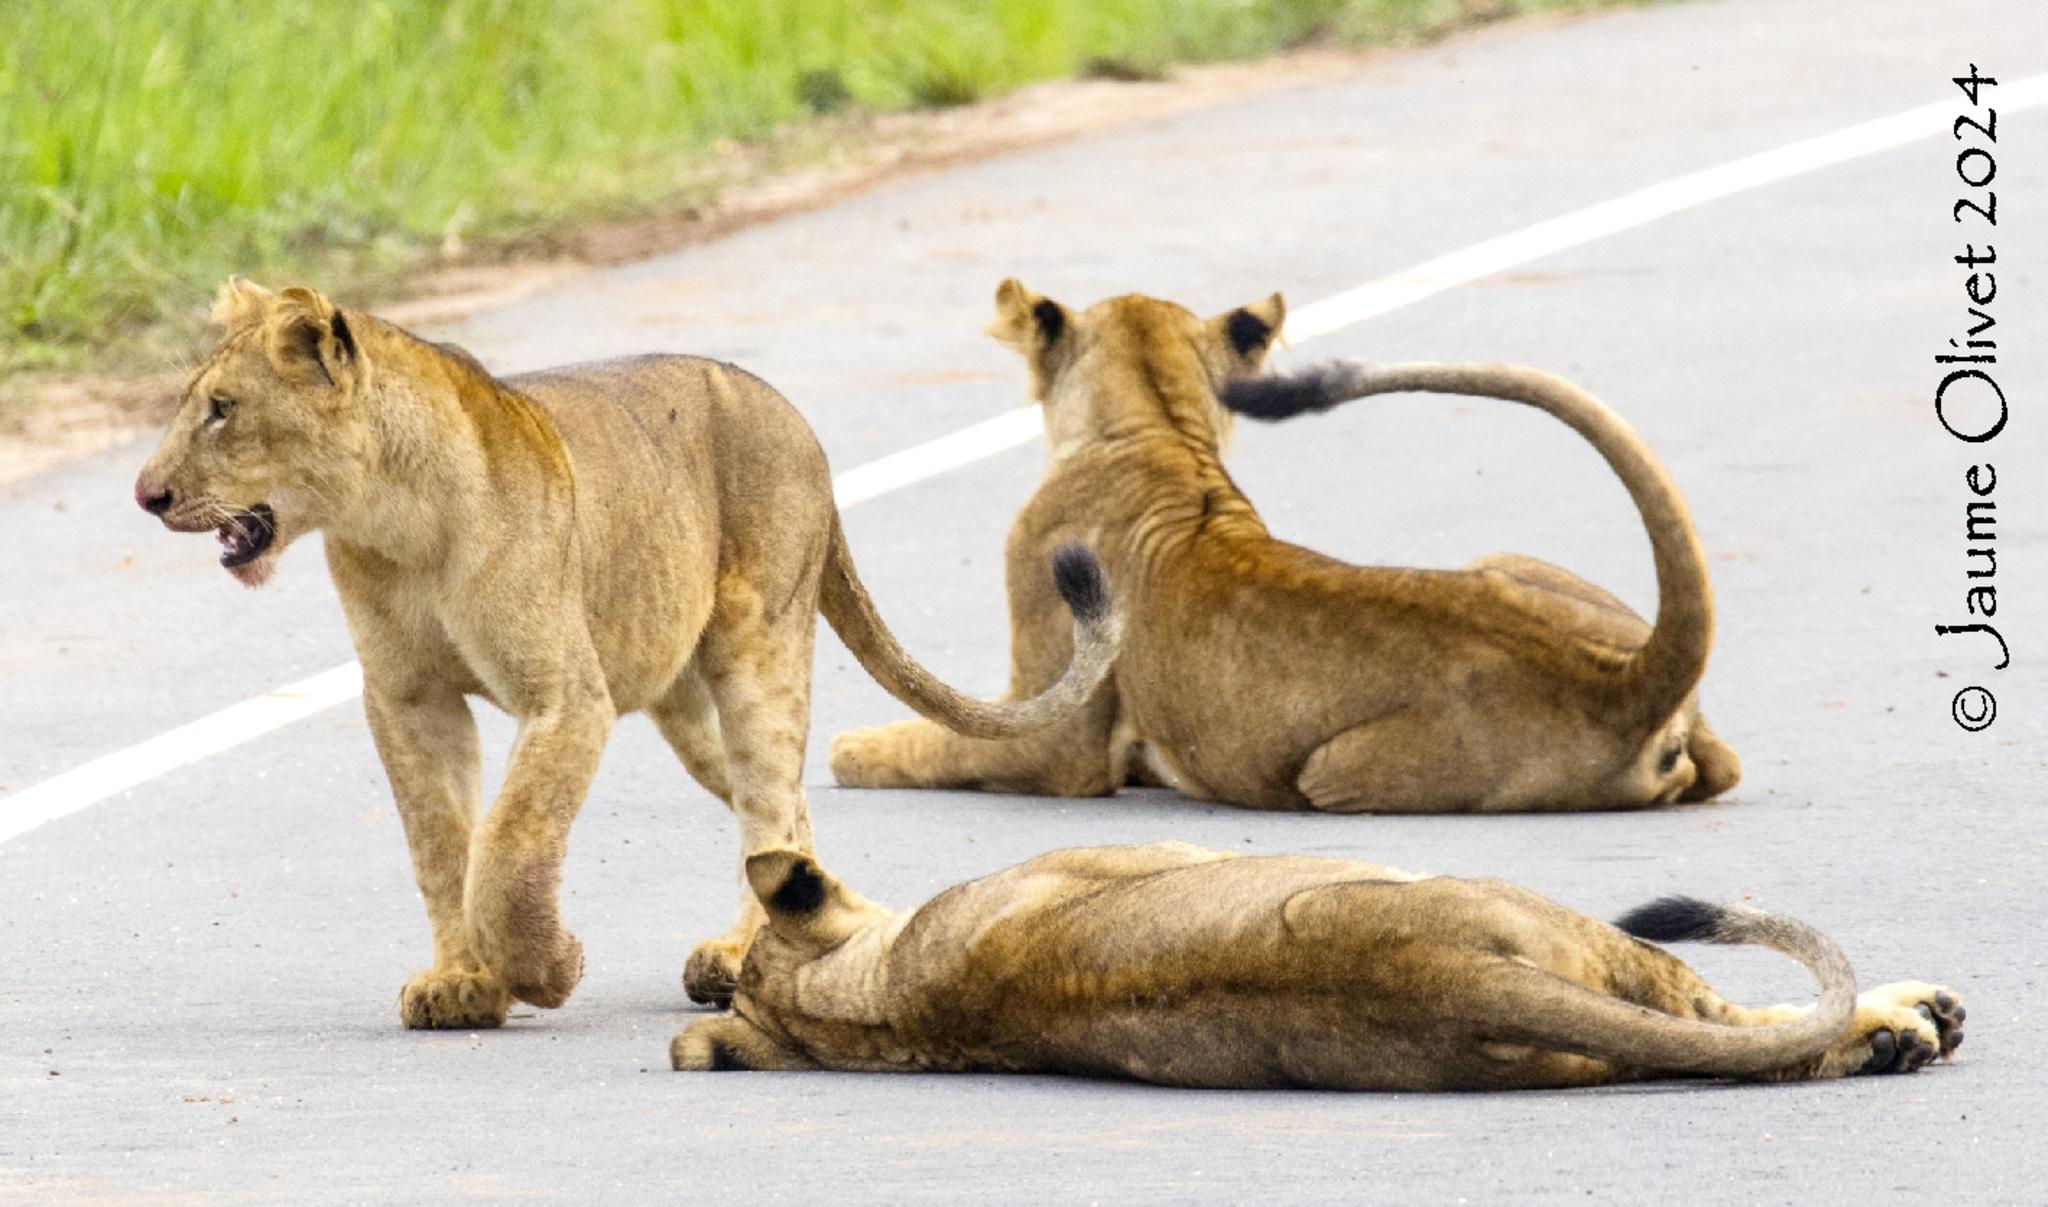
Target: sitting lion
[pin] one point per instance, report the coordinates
(652, 534)
(1172, 964)
(1260, 673)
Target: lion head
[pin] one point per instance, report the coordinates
(268, 443)
(1073, 356)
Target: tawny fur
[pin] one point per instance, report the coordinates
(1172, 964)
(1264, 674)
(648, 535)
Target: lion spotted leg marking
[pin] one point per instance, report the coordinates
(757, 670)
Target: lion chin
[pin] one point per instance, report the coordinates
(256, 573)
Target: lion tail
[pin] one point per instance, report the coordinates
(1098, 632)
(1663, 673)
(1551, 1012)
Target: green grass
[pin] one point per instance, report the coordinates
(150, 147)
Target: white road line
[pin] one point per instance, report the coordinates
(934, 457)
(209, 735)
(1645, 206)
(113, 773)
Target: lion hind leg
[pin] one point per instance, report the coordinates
(1547, 576)
(756, 673)
(1388, 765)
(1717, 766)
(1898, 1028)
(688, 721)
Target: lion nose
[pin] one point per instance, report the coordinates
(150, 499)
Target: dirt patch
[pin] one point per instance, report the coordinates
(808, 166)
(75, 415)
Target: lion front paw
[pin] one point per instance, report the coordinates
(1901, 1027)
(728, 1043)
(541, 969)
(712, 973)
(695, 1049)
(516, 932)
(548, 979)
(438, 1000)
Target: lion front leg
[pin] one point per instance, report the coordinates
(728, 1043)
(516, 854)
(427, 741)
(1070, 760)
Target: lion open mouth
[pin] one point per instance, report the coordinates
(246, 535)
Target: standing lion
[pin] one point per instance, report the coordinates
(653, 534)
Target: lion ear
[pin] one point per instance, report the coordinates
(1249, 331)
(239, 302)
(1029, 322)
(311, 333)
(804, 901)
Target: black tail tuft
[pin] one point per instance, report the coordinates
(1079, 578)
(1674, 920)
(1284, 396)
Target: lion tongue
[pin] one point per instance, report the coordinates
(237, 538)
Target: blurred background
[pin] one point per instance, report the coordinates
(149, 147)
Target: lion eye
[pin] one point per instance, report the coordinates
(221, 409)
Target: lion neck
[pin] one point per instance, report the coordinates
(1128, 387)
(447, 443)
(1145, 437)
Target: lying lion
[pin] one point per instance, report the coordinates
(1264, 674)
(1172, 964)
(653, 534)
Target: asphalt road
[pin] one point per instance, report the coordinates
(198, 977)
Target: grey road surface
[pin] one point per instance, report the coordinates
(198, 977)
